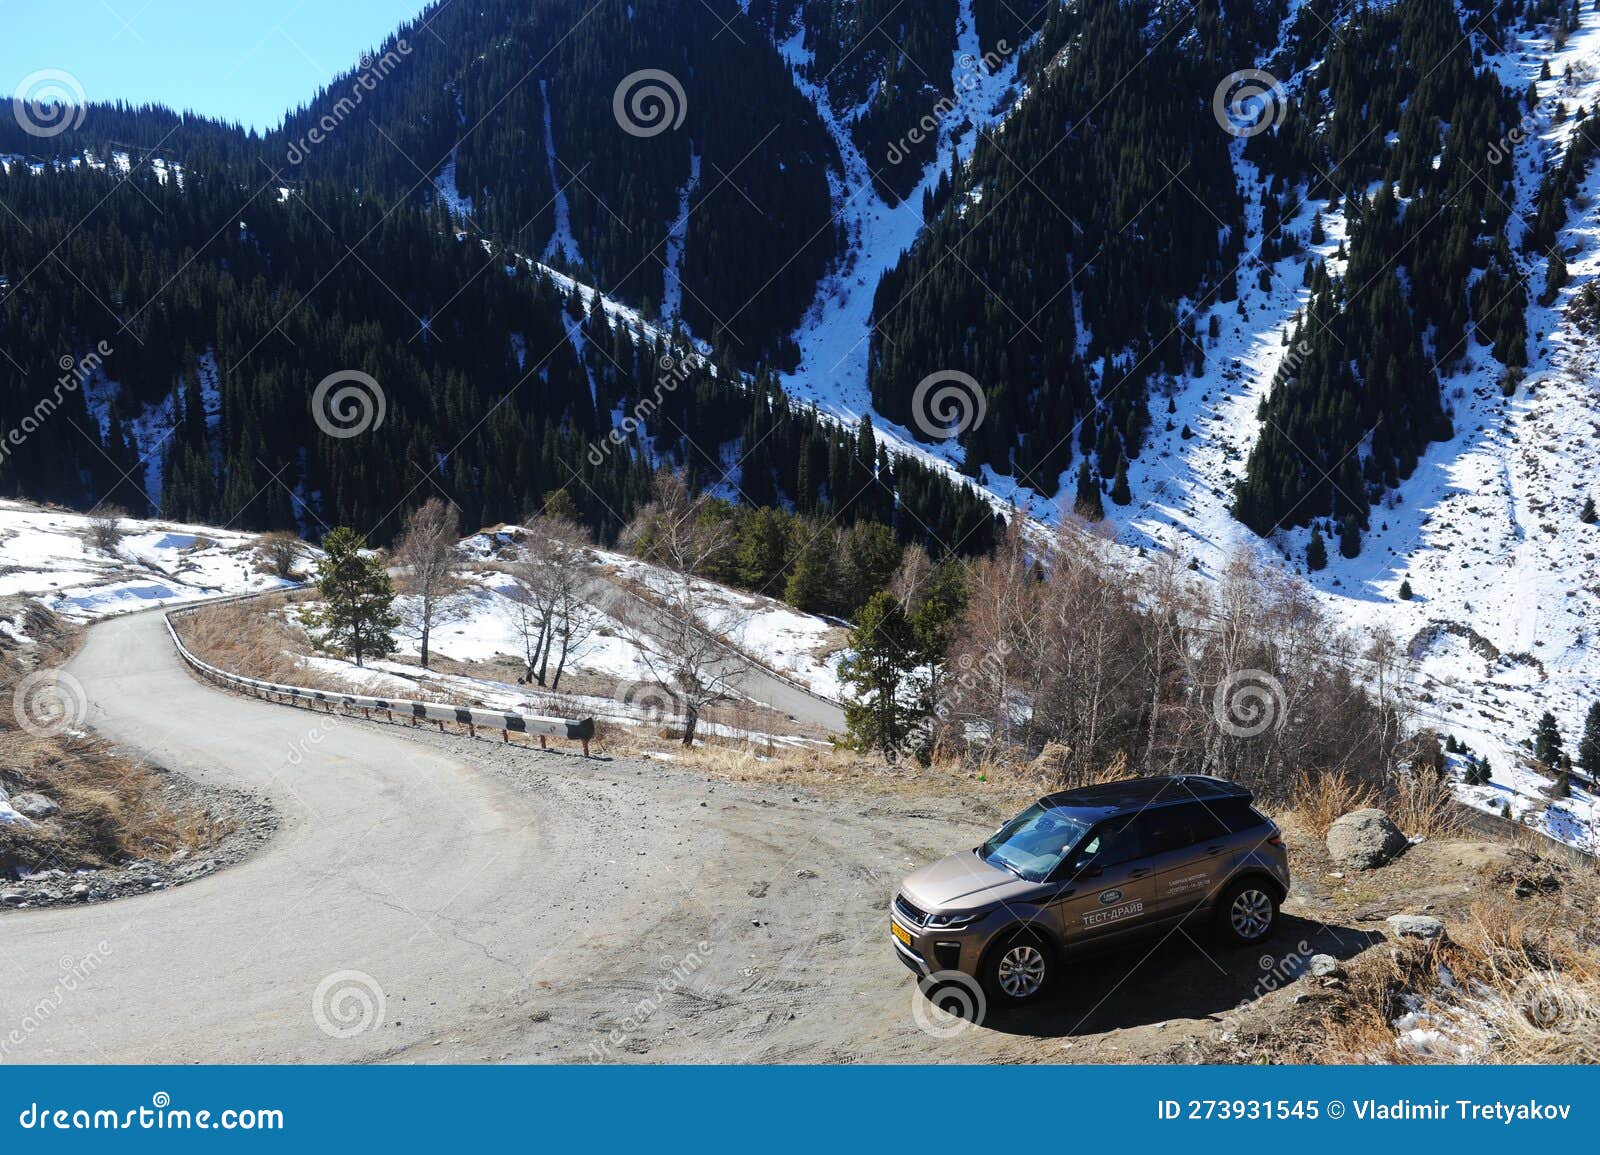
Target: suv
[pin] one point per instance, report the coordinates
(1090, 869)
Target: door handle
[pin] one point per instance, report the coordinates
(1213, 850)
(1138, 872)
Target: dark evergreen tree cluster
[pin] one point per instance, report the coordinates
(1399, 103)
(468, 89)
(1088, 200)
(223, 304)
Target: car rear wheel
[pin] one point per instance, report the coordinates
(1248, 912)
(1019, 970)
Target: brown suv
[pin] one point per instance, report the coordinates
(1090, 869)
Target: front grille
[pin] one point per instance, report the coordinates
(915, 915)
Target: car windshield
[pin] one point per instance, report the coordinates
(1033, 843)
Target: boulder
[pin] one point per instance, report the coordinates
(1325, 966)
(1364, 840)
(35, 805)
(1422, 927)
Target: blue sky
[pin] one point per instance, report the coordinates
(243, 60)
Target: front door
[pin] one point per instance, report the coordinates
(1105, 892)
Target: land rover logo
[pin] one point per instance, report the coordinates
(1107, 897)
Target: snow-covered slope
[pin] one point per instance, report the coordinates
(48, 554)
(1505, 618)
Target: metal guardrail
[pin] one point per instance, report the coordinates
(508, 722)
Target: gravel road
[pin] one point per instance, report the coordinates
(430, 898)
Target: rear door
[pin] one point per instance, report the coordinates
(1110, 897)
(1187, 846)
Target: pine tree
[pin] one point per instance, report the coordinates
(1316, 551)
(880, 671)
(1406, 593)
(811, 578)
(1589, 515)
(1349, 537)
(1088, 504)
(1589, 744)
(1547, 746)
(1120, 493)
(869, 555)
(356, 614)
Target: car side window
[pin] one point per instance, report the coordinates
(1179, 827)
(1117, 841)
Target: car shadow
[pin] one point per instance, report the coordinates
(1190, 974)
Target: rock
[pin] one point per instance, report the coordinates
(35, 805)
(13, 897)
(1364, 840)
(1324, 966)
(1423, 927)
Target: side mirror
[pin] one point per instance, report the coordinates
(1086, 867)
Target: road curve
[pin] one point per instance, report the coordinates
(393, 859)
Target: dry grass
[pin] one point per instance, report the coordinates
(254, 639)
(1517, 982)
(1321, 798)
(1425, 806)
(112, 808)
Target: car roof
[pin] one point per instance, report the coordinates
(1132, 794)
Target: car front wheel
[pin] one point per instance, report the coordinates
(1019, 970)
(1248, 912)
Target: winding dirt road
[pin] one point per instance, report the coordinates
(506, 904)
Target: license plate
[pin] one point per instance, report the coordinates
(900, 932)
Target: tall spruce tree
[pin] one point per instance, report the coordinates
(356, 615)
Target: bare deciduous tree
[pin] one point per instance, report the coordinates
(675, 639)
(280, 552)
(105, 527)
(550, 601)
(430, 567)
(1063, 645)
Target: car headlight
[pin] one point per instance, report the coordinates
(954, 920)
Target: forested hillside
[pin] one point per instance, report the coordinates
(1054, 264)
